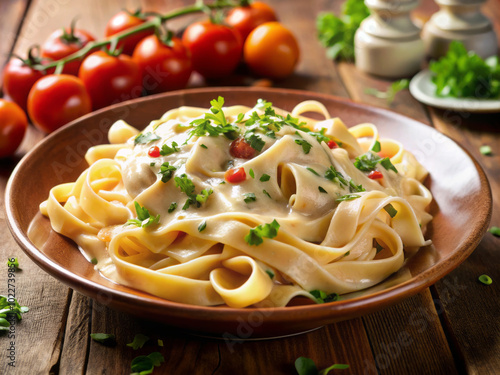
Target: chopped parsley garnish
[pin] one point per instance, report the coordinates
(10, 306)
(144, 218)
(312, 171)
(13, 263)
(93, 261)
(306, 146)
(256, 142)
(323, 297)
(145, 138)
(264, 178)
(254, 237)
(202, 226)
(376, 147)
(377, 246)
(166, 171)
(107, 339)
(240, 117)
(485, 279)
(486, 150)
(139, 341)
(266, 193)
(348, 253)
(495, 231)
(203, 145)
(251, 173)
(145, 364)
(270, 273)
(347, 197)
(172, 207)
(160, 342)
(321, 190)
(368, 162)
(249, 197)
(152, 164)
(306, 366)
(390, 94)
(187, 187)
(333, 175)
(391, 210)
(167, 150)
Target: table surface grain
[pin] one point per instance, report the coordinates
(453, 327)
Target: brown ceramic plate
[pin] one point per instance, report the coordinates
(461, 209)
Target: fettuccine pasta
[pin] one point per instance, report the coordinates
(245, 206)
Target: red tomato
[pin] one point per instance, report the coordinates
(246, 18)
(13, 124)
(375, 175)
(271, 51)
(241, 149)
(110, 79)
(56, 100)
(235, 175)
(18, 78)
(215, 49)
(163, 68)
(332, 144)
(154, 152)
(64, 42)
(123, 21)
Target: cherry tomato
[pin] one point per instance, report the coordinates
(163, 67)
(235, 175)
(64, 42)
(13, 124)
(271, 51)
(375, 175)
(215, 49)
(246, 18)
(56, 100)
(110, 79)
(154, 152)
(18, 78)
(239, 148)
(123, 21)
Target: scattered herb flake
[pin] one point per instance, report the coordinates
(107, 339)
(377, 246)
(486, 150)
(390, 94)
(202, 226)
(312, 171)
(347, 197)
(264, 178)
(172, 207)
(166, 171)
(256, 142)
(144, 138)
(250, 172)
(254, 237)
(376, 147)
(249, 197)
(266, 193)
(270, 273)
(144, 218)
(495, 231)
(93, 261)
(13, 263)
(306, 146)
(485, 279)
(139, 341)
(321, 190)
(160, 342)
(203, 146)
(167, 150)
(390, 210)
(144, 365)
(323, 297)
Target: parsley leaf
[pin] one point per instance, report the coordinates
(144, 218)
(249, 197)
(270, 273)
(139, 341)
(144, 138)
(486, 150)
(321, 190)
(347, 197)
(377, 246)
(391, 210)
(167, 150)
(323, 297)
(256, 142)
(312, 171)
(251, 173)
(202, 226)
(254, 237)
(376, 147)
(203, 146)
(337, 33)
(495, 231)
(264, 178)
(144, 365)
(12, 263)
(166, 171)
(187, 187)
(368, 162)
(107, 339)
(306, 146)
(485, 279)
(266, 193)
(172, 207)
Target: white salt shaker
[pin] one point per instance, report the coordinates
(388, 43)
(460, 20)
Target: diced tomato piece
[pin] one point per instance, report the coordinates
(375, 175)
(332, 144)
(235, 175)
(241, 149)
(154, 152)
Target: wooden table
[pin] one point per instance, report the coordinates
(455, 325)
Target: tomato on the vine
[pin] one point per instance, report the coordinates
(64, 42)
(13, 124)
(56, 100)
(110, 79)
(125, 20)
(215, 49)
(271, 51)
(247, 17)
(163, 67)
(18, 78)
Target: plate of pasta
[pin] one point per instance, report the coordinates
(247, 212)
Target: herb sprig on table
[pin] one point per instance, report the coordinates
(463, 74)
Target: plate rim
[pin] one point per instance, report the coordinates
(369, 303)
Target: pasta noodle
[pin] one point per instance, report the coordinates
(245, 206)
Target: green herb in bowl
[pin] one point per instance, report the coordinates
(463, 74)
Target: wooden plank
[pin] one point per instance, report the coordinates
(12, 12)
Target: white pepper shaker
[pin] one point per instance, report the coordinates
(460, 20)
(387, 43)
